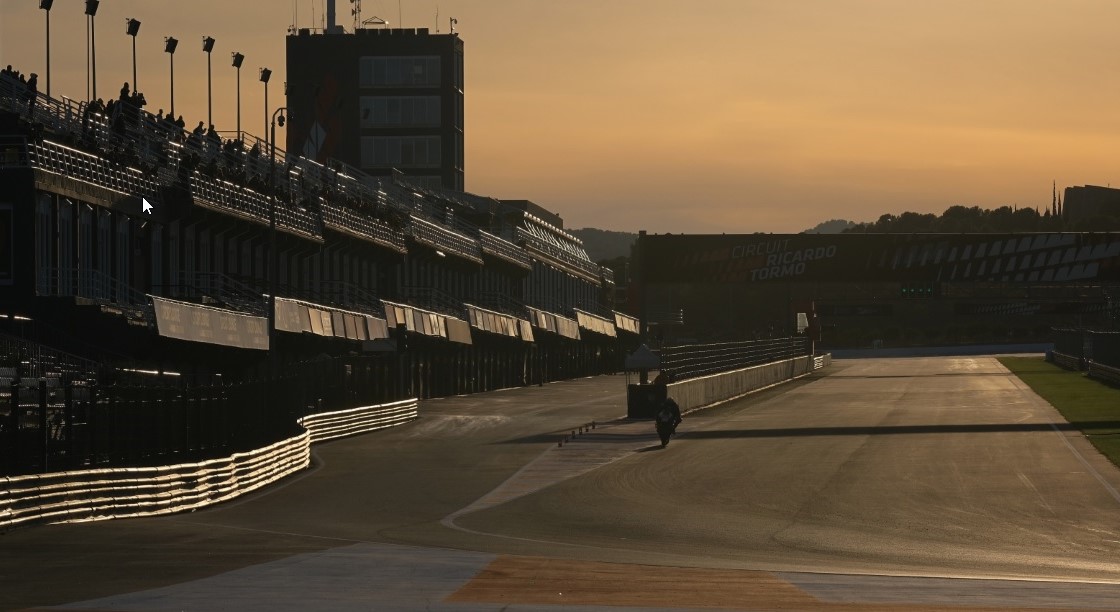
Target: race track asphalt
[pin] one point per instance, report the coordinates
(875, 484)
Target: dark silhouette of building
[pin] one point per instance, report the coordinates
(379, 100)
(1090, 201)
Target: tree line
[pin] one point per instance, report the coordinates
(976, 220)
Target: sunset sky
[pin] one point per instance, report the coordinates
(701, 117)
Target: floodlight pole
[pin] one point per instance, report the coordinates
(208, 46)
(265, 75)
(46, 6)
(91, 11)
(132, 29)
(169, 46)
(274, 256)
(238, 58)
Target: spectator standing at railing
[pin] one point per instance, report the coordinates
(170, 130)
(118, 125)
(32, 93)
(133, 104)
(213, 141)
(180, 128)
(195, 139)
(87, 110)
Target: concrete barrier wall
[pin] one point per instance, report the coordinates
(708, 390)
(90, 495)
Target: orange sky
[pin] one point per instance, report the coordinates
(702, 117)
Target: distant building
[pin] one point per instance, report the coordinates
(878, 289)
(1090, 201)
(379, 100)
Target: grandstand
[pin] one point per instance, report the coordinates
(136, 246)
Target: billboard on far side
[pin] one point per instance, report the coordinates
(761, 258)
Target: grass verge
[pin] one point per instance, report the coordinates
(1091, 406)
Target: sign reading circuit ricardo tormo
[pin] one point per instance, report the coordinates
(753, 258)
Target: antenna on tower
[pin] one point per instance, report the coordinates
(356, 13)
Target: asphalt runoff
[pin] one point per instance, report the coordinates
(920, 483)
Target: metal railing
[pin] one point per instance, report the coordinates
(434, 300)
(339, 294)
(440, 237)
(97, 287)
(503, 303)
(92, 169)
(504, 249)
(20, 358)
(693, 360)
(585, 266)
(341, 218)
(219, 290)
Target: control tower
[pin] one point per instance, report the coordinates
(379, 99)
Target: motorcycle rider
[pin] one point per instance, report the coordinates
(668, 417)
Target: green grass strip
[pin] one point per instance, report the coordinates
(1089, 405)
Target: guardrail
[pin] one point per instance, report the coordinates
(1069, 362)
(1103, 372)
(339, 424)
(131, 492)
(90, 495)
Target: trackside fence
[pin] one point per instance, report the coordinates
(83, 425)
(1095, 352)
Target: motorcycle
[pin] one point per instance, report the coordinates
(667, 420)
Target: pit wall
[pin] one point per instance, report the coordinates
(706, 391)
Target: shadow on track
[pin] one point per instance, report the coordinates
(880, 430)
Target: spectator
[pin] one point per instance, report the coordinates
(213, 140)
(32, 92)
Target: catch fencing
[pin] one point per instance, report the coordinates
(46, 427)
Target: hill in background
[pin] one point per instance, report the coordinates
(605, 244)
(832, 226)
